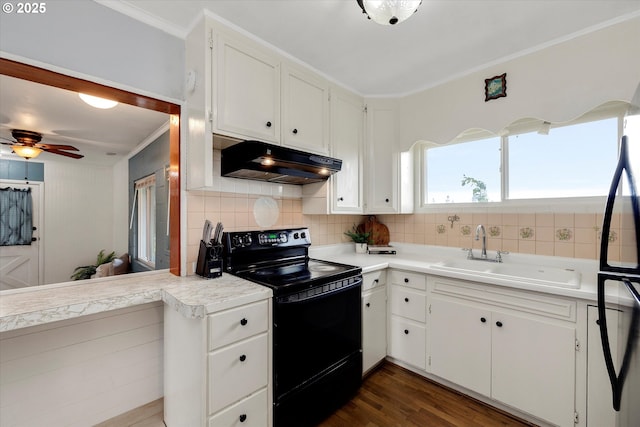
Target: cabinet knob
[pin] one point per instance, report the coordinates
(406, 332)
(341, 199)
(243, 418)
(598, 322)
(243, 358)
(243, 322)
(268, 124)
(386, 200)
(406, 280)
(406, 300)
(295, 131)
(499, 324)
(376, 281)
(483, 320)
(368, 304)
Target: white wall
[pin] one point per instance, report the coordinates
(91, 39)
(78, 217)
(82, 371)
(556, 84)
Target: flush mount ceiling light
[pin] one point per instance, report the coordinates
(389, 12)
(97, 102)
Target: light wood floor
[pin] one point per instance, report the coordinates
(389, 397)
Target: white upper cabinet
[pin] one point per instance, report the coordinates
(389, 172)
(347, 129)
(247, 91)
(305, 110)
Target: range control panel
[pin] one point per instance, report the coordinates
(269, 238)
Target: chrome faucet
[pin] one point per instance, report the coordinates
(480, 228)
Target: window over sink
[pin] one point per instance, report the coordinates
(531, 160)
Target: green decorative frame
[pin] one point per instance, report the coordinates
(495, 87)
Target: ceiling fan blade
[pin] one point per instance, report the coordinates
(63, 153)
(7, 143)
(57, 147)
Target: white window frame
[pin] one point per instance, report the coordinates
(592, 204)
(145, 199)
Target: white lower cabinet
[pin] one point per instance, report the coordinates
(515, 347)
(248, 412)
(374, 319)
(407, 324)
(218, 369)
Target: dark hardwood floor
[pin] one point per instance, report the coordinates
(395, 397)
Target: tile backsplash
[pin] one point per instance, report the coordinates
(575, 235)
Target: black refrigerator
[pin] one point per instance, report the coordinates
(619, 277)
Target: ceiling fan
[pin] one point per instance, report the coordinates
(27, 145)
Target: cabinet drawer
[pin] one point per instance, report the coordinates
(408, 342)
(250, 412)
(409, 303)
(412, 280)
(237, 371)
(238, 323)
(373, 280)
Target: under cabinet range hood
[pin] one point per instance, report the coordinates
(267, 162)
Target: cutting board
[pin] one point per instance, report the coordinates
(379, 232)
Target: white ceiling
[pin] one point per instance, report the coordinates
(443, 40)
(63, 118)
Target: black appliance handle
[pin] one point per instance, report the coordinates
(617, 379)
(310, 294)
(623, 166)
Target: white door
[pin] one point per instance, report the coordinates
(21, 266)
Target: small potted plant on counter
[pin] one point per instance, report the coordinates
(359, 237)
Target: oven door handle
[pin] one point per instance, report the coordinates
(318, 292)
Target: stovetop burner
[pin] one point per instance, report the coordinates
(280, 260)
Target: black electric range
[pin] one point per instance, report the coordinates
(317, 321)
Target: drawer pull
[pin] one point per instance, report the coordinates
(268, 124)
(368, 304)
(406, 300)
(499, 324)
(295, 131)
(406, 332)
(376, 281)
(243, 418)
(483, 320)
(406, 280)
(243, 358)
(243, 322)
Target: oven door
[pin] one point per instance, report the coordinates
(314, 331)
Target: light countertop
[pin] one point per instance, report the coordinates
(422, 258)
(192, 296)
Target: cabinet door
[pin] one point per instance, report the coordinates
(533, 367)
(347, 122)
(374, 327)
(460, 337)
(407, 341)
(248, 91)
(600, 411)
(305, 105)
(382, 160)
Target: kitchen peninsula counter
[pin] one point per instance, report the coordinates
(192, 296)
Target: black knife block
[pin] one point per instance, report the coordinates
(209, 263)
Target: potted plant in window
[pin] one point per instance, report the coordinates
(359, 237)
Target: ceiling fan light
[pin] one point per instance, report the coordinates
(26, 152)
(97, 102)
(390, 12)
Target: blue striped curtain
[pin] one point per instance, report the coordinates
(16, 209)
